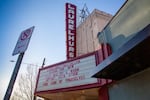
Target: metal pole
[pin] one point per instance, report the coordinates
(13, 77)
(43, 63)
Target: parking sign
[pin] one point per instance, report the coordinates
(23, 41)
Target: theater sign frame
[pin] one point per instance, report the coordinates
(69, 75)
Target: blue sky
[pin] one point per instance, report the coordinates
(48, 39)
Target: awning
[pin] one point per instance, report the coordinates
(132, 57)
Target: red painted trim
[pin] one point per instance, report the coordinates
(109, 49)
(75, 31)
(97, 62)
(106, 50)
(96, 57)
(66, 29)
(102, 54)
(103, 93)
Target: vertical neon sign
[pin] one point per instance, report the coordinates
(71, 30)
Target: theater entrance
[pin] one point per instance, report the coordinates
(86, 94)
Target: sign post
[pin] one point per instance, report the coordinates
(13, 77)
(21, 47)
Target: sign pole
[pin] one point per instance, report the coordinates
(13, 77)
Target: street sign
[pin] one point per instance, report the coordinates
(23, 41)
(20, 48)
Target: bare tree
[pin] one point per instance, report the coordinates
(26, 84)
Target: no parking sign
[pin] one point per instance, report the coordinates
(21, 47)
(23, 41)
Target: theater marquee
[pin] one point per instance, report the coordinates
(68, 75)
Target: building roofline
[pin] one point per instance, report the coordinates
(94, 12)
(115, 14)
